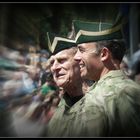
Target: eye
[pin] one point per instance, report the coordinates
(61, 61)
(51, 62)
(81, 49)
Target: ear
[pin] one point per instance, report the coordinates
(105, 54)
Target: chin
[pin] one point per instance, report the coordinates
(60, 84)
(84, 76)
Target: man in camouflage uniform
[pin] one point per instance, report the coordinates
(112, 106)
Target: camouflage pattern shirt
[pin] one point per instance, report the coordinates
(111, 108)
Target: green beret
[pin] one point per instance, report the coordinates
(57, 43)
(96, 31)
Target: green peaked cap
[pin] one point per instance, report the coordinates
(96, 31)
(57, 43)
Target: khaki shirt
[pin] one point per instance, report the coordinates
(111, 108)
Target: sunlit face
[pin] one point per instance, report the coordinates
(64, 68)
(89, 61)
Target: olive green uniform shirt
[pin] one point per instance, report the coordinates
(111, 108)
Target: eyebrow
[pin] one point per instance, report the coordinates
(58, 58)
(51, 58)
(81, 48)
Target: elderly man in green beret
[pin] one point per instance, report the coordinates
(112, 106)
(66, 74)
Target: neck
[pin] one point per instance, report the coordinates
(74, 90)
(85, 87)
(114, 65)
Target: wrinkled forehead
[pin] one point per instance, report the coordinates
(65, 53)
(59, 55)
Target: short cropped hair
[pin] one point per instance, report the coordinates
(116, 47)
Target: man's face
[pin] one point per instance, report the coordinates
(64, 68)
(89, 61)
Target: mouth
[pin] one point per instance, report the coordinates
(59, 75)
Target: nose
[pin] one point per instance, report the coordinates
(55, 66)
(77, 56)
